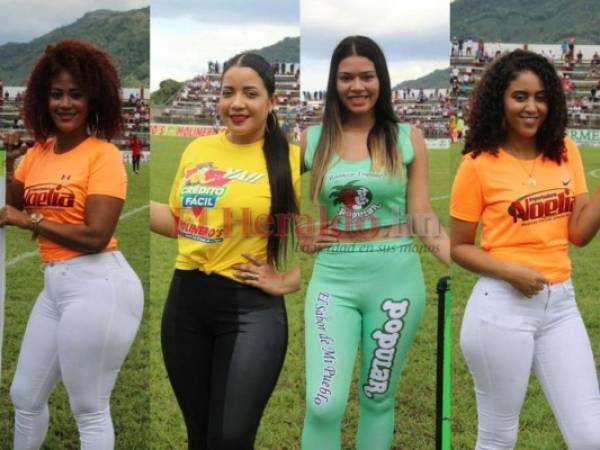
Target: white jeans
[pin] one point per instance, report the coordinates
(80, 329)
(504, 335)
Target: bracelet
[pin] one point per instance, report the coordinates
(34, 222)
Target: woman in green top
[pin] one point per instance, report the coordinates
(369, 173)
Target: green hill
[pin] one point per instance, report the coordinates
(436, 79)
(124, 35)
(286, 50)
(534, 21)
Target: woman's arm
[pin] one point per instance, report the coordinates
(162, 220)
(264, 276)
(423, 221)
(14, 194)
(464, 252)
(585, 218)
(92, 236)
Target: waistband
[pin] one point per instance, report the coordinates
(114, 257)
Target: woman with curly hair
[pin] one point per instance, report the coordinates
(524, 181)
(69, 190)
(369, 176)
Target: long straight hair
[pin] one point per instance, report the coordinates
(277, 156)
(382, 141)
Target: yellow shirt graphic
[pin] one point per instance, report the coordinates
(222, 199)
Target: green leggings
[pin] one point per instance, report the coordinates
(369, 293)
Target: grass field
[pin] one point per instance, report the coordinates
(130, 400)
(415, 407)
(145, 412)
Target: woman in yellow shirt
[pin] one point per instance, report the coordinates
(224, 328)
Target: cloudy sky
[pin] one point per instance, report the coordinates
(186, 34)
(24, 20)
(413, 35)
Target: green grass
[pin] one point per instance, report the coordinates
(130, 399)
(538, 429)
(281, 426)
(145, 412)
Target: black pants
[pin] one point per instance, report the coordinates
(135, 161)
(223, 344)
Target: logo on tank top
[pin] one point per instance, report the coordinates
(386, 339)
(355, 201)
(542, 206)
(49, 195)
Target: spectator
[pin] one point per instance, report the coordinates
(469, 47)
(136, 152)
(564, 49)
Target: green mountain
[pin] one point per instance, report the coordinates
(436, 79)
(286, 50)
(124, 35)
(534, 21)
(166, 90)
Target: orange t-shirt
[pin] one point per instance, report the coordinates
(523, 224)
(57, 185)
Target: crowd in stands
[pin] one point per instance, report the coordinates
(577, 66)
(427, 109)
(196, 102)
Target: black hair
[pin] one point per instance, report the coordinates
(382, 141)
(277, 156)
(486, 130)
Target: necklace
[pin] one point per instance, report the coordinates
(531, 181)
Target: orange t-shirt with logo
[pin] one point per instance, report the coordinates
(57, 185)
(521, 223)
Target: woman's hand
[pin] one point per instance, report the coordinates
(262, 275)
(311, 241)
(526, 280)
(9, 215)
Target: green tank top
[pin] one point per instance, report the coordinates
(354, 196)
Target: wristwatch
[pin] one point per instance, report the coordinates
(34, 221)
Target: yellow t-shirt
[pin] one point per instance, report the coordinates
(221, 198)
(57, 185)
(521, 223)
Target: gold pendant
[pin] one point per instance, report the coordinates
(531, 181)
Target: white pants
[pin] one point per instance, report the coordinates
(504, 335)
(80, 330)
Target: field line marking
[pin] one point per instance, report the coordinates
(31, 254)
(595, 173)
(133, 211)
(21, 257)
(440, 197)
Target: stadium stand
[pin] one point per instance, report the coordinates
(579, 71)
(196, 102)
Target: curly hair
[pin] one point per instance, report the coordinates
(486, 130)
(93, 70)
